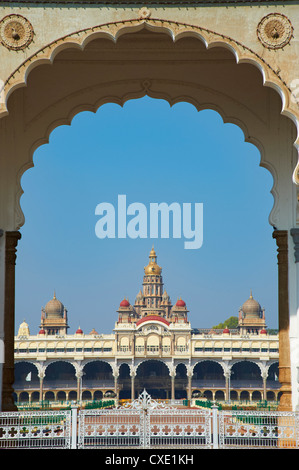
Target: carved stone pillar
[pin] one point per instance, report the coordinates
(115, 374)
(172, 387)
(133, 373)
(41, 376)
(281, 237)
(227, 386)
(189, 375)
(79, 374)
(264, 377)
(11, 241)
(189, 391)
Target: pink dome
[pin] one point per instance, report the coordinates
(79, 331)
(124, 303)
(180, 303)
(42, 332)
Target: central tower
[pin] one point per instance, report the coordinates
(152, 300)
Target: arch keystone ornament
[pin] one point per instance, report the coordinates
(16, 32)
(144, 13)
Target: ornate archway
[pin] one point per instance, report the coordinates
(136, 57)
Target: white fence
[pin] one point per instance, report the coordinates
(147, 424)
(36, 429)
(258, 429)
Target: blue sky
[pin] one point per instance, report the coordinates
(150, 152)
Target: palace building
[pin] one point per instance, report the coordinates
(154, 347)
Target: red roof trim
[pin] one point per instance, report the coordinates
(152, 318)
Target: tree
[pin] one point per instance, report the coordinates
(231, 323)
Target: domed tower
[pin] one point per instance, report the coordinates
(126, 312)
(179, 312)
(54, 318)
(152, 288)
(251, 317)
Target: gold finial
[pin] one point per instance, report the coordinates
(152, 268)
(54, 297)
(152, 253)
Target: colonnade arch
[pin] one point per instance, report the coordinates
(162, 379)
(249, 107)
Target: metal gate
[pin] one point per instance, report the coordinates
(35, 429)
(145, 423)
(258, 429)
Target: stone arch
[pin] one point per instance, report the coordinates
(273, 371)
(97, 369)
(61, 395)
(49, 395)
(181, 380)
(154, 359)
(183, 368)
(198, 363)
(153, 376)
(246, 368)
(124, 370)
(24, 397)
(23, 368)
(256, 395)
(59, 369)
(219, 395)
(176, 30)
(124, 381)
(114, 32)
(97, 395)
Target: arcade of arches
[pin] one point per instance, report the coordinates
(202, 54)
(60, 382)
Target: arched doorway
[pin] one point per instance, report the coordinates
(181, 382)
(208, 374)
(153, 376)
(26, 373)
(97, 374)
(124, 381)
(61, 372)
(39, 131)
(246, 373)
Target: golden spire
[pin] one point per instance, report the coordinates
(152, 269)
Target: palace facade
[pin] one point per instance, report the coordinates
(152, 347)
